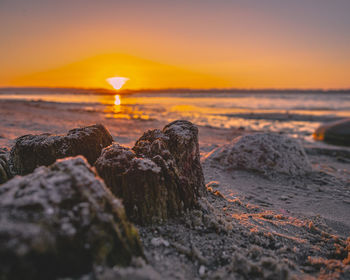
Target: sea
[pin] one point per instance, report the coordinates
(295, 113)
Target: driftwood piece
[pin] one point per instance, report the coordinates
(160, 177)
(60, 221)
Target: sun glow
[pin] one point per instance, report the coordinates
(117, 82)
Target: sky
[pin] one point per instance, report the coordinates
(173, 44)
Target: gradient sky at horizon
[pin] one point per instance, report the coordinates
(193, 43)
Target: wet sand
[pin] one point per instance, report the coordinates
(257, 227)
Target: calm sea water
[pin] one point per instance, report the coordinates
(294, 114)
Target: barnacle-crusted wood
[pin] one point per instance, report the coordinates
(5, 173)
(31, 151)
(60, 221)
(160, 177)
(180, 140)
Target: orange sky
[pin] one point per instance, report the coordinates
(169, 44)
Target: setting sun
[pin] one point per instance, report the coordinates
(117, 82)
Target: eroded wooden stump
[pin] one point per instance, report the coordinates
(160, 177)
(31, 151)
(60, 221)
(5, 173)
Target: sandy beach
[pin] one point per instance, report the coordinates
(180, 140)
(255, 226)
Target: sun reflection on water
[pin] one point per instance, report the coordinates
(117, 100)
(117, 110)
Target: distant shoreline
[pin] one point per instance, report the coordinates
(102, 91)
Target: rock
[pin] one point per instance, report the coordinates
(159, 241)
(201, 270)
(61, 221)
(283, 197)
(265, 153)
(5, 173)
(160, 177)
(31, 151)
(337, 133)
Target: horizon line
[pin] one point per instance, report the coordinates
(180, 89)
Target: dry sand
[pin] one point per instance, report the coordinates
(251, 226)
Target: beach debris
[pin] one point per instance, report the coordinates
(5, 173)
(31, 151)
(160, 177)
(265, 153)
(337, 133)
(61, 221)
